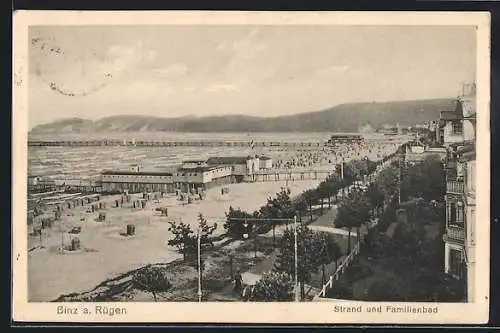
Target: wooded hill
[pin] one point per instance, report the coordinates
(348, 117)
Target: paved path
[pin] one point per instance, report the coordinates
(327, 219)
(323, 223)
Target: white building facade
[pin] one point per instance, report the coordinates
(460, 235)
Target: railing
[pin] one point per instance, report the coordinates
(339, 271)
(455, 186)
(455, 233)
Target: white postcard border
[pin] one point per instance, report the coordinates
(311, 312)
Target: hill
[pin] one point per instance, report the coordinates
(67, 125)
(341, 118)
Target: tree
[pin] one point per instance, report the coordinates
(384, 290)
(309, 197)
(408, 253)
(274, 286)
(332, 186)
(184, 238)
(234, 222)
(283, 204)
(374, 244)
(152, 279)
(300, 206)
(328, 251)
(279, 207)
(321, 192)
(353, 213)
(375, 197)
(426, 180)
(312, 247)
(205, 230)
(387, 181)
(340, 290)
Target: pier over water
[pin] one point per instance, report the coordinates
(149, 143)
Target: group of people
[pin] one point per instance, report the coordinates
(341, 152)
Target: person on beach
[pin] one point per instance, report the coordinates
(238, 281)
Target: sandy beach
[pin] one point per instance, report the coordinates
(106, 253)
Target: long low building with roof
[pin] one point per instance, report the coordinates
(191, 175)
(183, 179)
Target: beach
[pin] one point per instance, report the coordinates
(105, 249)
(106, 253)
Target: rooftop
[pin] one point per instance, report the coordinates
(467, 157)
(466, 148)
(141, 172)
(229, 160)
(195, 161)
(468, 106)
(198, 169)
(449, 115)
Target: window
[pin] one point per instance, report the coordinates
(471, 176)
(455, 262)
(460, 212)
(452, 217)
(456, 128)
(472, 223)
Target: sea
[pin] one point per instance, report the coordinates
(89, 162)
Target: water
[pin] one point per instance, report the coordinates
(286, 137)
(83, 162)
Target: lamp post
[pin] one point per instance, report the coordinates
(246, 235)
(342, 169)
(199, 266)
(399, 180)
(296, 260)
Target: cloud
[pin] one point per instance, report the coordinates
(173, 70)
(331, 70)
(222, 87)
(221, 46)
(121, 57)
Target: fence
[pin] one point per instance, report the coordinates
(340, 270)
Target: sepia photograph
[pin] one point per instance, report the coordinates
(294, 160)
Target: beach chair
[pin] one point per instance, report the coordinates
(75, 230)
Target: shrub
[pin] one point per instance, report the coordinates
(341, 290)
(357, 272)
(274, 286)
(152, 279)
(384, 290)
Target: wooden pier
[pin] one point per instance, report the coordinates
(142, 143)
(289, 175)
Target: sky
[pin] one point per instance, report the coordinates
(171, 71)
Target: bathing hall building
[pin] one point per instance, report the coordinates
(192, 175)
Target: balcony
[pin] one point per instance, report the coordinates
(455, 234)
(455, 187)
